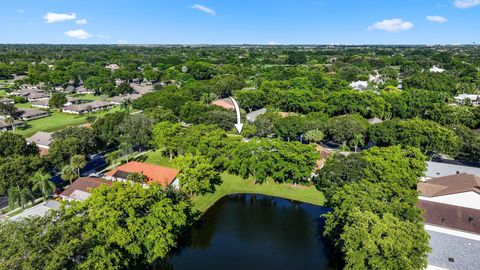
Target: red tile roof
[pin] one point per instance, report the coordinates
(85, 184)
(158, 174)
(225, 103)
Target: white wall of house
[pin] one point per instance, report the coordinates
(468, 199)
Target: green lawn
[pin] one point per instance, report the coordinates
(57, 121)
(26, 105)
(3, 93)
(158, 159)
(233, 185)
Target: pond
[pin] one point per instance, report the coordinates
(255, 232)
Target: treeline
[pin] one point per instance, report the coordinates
(375, 223)
(124, 226)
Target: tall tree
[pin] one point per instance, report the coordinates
(69, 173)
(78, 162)
(41, 182)
(197, 175)
(20, 196)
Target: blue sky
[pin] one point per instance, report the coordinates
(241, 21)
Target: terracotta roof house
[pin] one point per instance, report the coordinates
(155, 174)
(81, 188)
(31, 114)
(225, 103)
(93, 106)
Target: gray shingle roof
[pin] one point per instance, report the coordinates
(253, 115)
(41, 138)
(464, 252)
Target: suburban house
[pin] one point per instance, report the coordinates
(140, 89)
(7, 101)
(31, 114)
(252, 117)
(37, 96)
(39, 210)
(82, 90)
(462, 98)
(374, 121)
(93, 106)
(112, 67)
(225, 103)
(155, 174)
(324, 154)
(5, 125)
(436, 69)
(44, 103)
(438, 169)
(451, 206)
(359, 85)
(120, 99)
(43, 140)
(81, 188)
(375, 78)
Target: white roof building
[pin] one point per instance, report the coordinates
(359, 85)
(436, 69)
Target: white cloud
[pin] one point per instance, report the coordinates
(204, 9)
(391, 25)
(59, 17)
(103, 36)
(81, 21)
(122, 41)
(78, 34)
(436, 19)
(466, 3)
(21, 11)
(273, 43)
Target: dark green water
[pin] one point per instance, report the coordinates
(255, 232)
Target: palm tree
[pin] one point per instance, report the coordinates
(68, 173)
(357, 141)
(21, 196)
(41, 182)
(10, 121)
(125, 105)
(77, 162)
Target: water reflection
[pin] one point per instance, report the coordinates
(255, 232)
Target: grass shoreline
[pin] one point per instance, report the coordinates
(232, 184)
(236, 185)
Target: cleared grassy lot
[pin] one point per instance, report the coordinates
(57, 121)
(233, 185)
